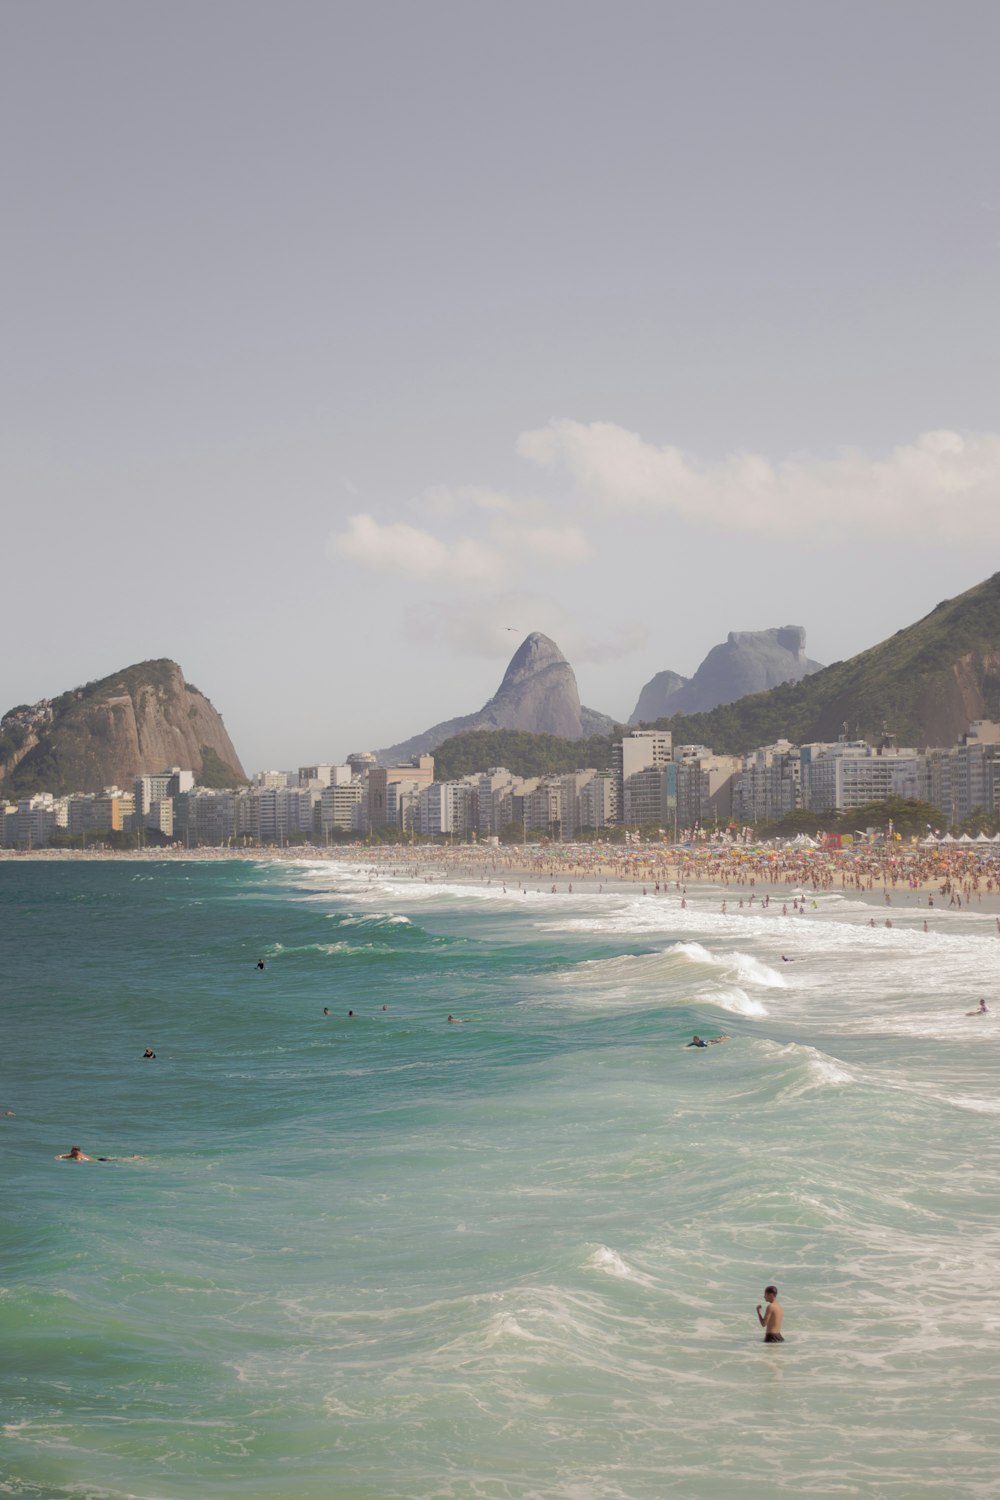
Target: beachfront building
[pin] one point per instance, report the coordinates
(597, 801)
(964, 779)
(278, 811)
(269, 779)
(31, 822)
(543, 808)
(381, 809)
(573, 784)
(338, 803)
(852, 773)
(447, 807)
(649, 798)
(975, 774)
(705, 788)
(208, 817)
(402, 803)
(768, 785)
(154, 798)
(639, 750)
(325, 774)
(495, 788)
(111, 811)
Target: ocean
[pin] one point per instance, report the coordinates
(383, 1256)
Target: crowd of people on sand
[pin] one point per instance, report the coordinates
(958, 875)
(748, 878)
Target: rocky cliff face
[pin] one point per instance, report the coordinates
(140, 720)
(749, 661)
(925, 684)
(655, 697)
(538, 694)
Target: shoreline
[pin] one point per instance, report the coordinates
(953, 879)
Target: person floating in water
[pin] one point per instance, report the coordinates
(260, 963)
(785, 960)
(772, 1319)
(149, 1052)
(697, 1041)
(455, 1021)
(76, 1153)
(982, 1011)
(326, 1010)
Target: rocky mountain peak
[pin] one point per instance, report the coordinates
(748, 661)
(536, 653)
(538, 694)
(134, 722)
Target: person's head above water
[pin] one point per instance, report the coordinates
(770, 1292)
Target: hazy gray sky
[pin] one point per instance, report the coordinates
(339, 337)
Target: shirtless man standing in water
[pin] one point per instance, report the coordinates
(771, 1320)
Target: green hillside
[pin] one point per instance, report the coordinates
(925, 684)
(523, 753)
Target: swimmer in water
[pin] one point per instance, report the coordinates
(455, 1021)
(326, 1010)
(149, 1052)
(697, 1041)
(260, 963)
(772, 1319)
(982, 1011)
(76, 1153)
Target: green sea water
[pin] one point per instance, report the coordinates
(383, 1256)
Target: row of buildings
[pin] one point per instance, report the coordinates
(652, 783)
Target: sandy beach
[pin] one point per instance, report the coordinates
(950, 877)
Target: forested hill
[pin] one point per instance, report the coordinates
(523, 753)
(925, 684)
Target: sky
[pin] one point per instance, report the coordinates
(346, 344)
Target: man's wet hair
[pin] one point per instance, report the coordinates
(773, 1289)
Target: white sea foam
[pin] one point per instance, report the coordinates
(730, 997)
(610, 1263)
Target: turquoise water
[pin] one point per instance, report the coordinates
(387, 1257)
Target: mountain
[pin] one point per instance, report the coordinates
(749, 661)
(925, 685)
(538, 694)
(137, 721)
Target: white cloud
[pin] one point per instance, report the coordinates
(448, 500)
(944, 485)
(398, 548)
(559, 546)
